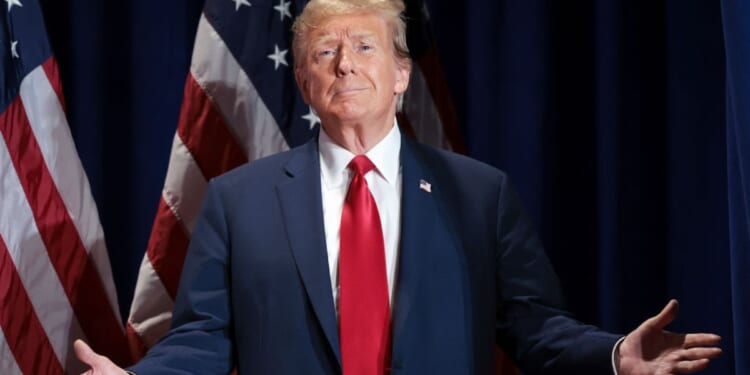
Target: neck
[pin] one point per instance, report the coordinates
(358, 138)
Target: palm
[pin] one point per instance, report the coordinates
(650, 350)
(99, 365)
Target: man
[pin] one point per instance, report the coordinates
(364, 253)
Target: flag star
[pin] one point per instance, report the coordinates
(14, 49)
(283, 9)
(237, 4)
(278, 57)
(312, 117)
(11, 3)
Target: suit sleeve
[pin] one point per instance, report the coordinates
(199, 341)
(532, 325)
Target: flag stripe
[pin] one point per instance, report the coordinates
(64, 247)
(50, 128)
(26, 339)
(432, 70)
(184, 182)
(8, 365)
(237, 99)
(167, 247)
(50, 70)
(19, 231)
(152, 319)
(203, 132)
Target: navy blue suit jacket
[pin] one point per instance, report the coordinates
(255, 287)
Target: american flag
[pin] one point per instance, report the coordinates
(55, 277)
(241, 103)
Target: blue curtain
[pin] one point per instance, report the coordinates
(737, 41)
(615, 118)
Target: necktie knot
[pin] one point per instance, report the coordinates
(361, 164)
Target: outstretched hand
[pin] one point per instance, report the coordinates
(651, 350)
(100, 365)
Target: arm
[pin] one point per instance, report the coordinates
(532, 324)
(542, 337)
(200, 339)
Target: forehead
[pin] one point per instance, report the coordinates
(354, 26)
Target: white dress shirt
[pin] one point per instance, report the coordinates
(384, 182)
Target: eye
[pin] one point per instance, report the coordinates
(328, 52)
(365, 47)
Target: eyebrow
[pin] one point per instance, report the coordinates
(357, 35)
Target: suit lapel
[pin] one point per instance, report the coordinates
(301, 205)
(423, 230)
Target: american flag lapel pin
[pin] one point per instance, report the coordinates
(426, 186)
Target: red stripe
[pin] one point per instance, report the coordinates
(204, 132)
(23, 332)
(137, 347)
(53, 75)
(432, 71)
(167, 247)
(503, 364)
(74, 267)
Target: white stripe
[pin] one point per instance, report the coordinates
(8, 363)
(19, 230)
(423, 115)
(151, 311)
(52, 133)
(184, 186)
(224, 81)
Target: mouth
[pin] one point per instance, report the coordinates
(348, 91)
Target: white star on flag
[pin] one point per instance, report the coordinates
(283, 9)
(14, 49)
(312, 117)
(11, 3)
(237, 4)
(278, 57)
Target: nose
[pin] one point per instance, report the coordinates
(346, 63)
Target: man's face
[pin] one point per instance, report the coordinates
(349, 73)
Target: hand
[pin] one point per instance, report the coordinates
(100, 365)
(650, 350)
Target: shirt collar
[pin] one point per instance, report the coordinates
(334, 158)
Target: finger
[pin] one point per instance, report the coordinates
(698, 353)
(701, 339)
(689, 367)
(667, 315)
(84, 352)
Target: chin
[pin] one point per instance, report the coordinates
(349, 114)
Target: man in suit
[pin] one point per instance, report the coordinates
(363, 253)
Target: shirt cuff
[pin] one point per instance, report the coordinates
(614, 353)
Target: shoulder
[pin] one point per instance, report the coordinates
(266, 172)
(458, 169)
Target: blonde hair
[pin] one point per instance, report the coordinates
(317, 11)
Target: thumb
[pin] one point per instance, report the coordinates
(85, 353)
(667, 315)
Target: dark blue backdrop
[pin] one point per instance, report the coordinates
(610, 115)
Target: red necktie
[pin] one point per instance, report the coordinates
(364, 314)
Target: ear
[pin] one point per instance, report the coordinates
(301, 77)
(403, 72)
